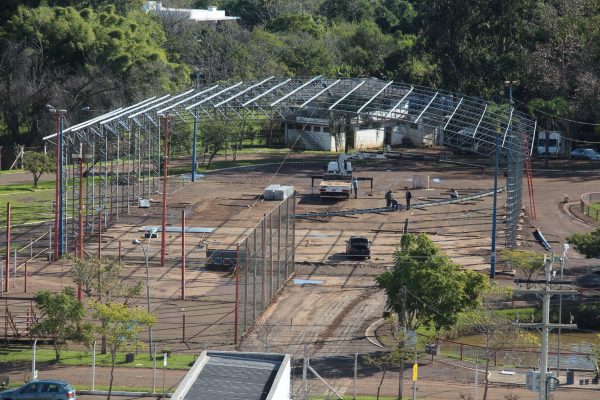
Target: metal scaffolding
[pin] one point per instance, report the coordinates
(122, 148)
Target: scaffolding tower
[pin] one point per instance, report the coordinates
(122, 148)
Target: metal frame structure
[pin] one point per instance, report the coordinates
(125, 144)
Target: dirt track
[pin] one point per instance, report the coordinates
(332, 316)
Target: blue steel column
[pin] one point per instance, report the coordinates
(197, 84)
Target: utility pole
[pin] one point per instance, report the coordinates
(562, 267)
(546, 293)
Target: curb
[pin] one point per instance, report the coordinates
(370, 332)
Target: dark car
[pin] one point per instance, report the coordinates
(41, 390)
(589, 280)
(358, 246)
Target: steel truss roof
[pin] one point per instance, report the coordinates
(457, 118)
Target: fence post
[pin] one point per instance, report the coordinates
(495, 358)
(461, 352)
(304, 370)
(183, 329)
(182, 254)
(7, 271)
(25, 279)
(355, 376)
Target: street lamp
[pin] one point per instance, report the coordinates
(563, 259)
(58, 208)
(138, 242)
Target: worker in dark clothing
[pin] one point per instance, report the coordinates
(355, 187)
(394, 205)
(454, 194)
(389, 196)
(408, 197)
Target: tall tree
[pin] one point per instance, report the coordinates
(120, 326)
(38, 164)
(61, 319)
(426, 286)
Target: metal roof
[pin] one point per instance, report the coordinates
(366, 100)
(233, 376)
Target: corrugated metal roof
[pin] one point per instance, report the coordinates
(234, 378)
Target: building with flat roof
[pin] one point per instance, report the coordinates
(237, 376)
(211, 14)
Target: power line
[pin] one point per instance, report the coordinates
(556, 116)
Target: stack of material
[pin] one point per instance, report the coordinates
(277, 192)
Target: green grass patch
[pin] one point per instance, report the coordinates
(84, 358)
(595, 206)
(28, 204)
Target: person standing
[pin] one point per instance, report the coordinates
(389, 196)
(355, 187)
(408, 197)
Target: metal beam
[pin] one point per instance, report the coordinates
(508, 125)
(162, 111)
(212, 96)
(295, 90)
(374, 96)
(242, 92)
(453, 112)
(161, 103)
(320, 93)
(347, 94)
(426, 107)
(399, 102)
(480, 119)
(267, 92)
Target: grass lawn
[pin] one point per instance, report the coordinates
(84, 358)
(27, 204)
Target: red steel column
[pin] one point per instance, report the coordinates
(271, 253)
(80, 242)
(7, 272)
(25, 285)
(182, 254)
(57, 186)
(163, 234)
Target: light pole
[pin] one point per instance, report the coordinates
(138, 242)
(562, 266)
(58, 204)
(197, 86)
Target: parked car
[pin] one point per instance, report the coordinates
(41, 390)
(358, 246)
(589, 280)
(585, 153)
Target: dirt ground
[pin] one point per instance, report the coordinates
(330, 314)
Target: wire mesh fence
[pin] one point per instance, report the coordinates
(590, 205)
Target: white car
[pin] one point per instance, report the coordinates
(589, 154)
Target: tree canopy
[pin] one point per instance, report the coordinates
(587, 244)
(426, 286)
(104, 54)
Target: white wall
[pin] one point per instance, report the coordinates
(368, 138)
(282, 384)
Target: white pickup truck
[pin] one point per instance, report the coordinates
(335, 186)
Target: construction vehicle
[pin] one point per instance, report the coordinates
(337, 181)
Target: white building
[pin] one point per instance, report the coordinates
(315, 134)
(237, 376)
(211, 14)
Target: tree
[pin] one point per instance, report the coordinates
(38, 164)
(120, 325)
(587, 244)
(497, 329)
(61, 319)
(216, 137)
(527, 263)
(436, 290)
(102, 279)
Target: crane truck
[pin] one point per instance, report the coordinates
(337, 181)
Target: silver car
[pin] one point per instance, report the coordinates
(41, 390)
